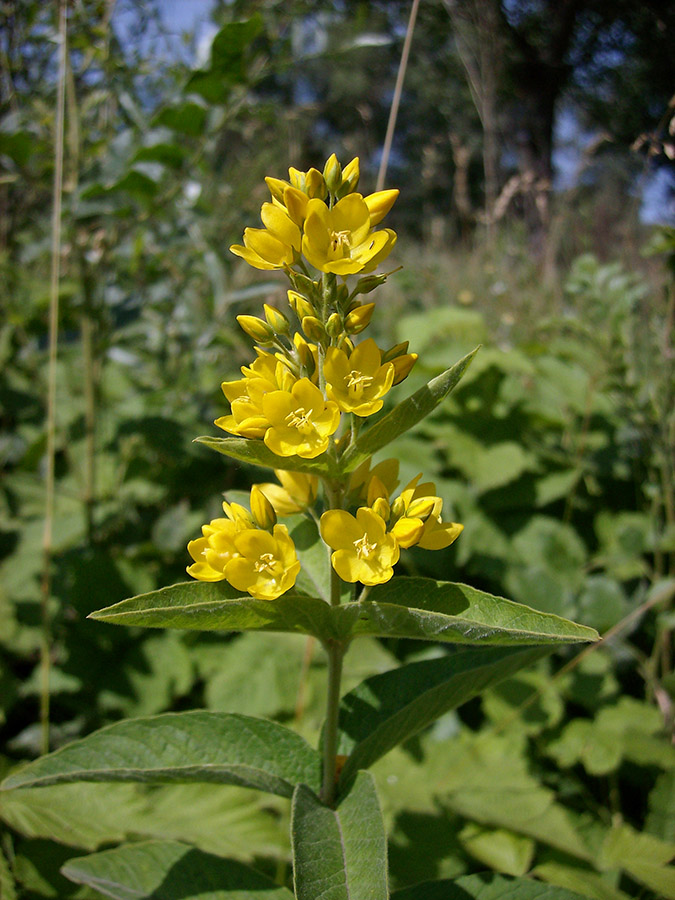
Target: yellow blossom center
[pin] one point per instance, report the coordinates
(358, 380)
(265, 563)
(300, 419)
(339, 241)
(364, 547)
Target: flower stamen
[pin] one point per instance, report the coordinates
(265, 563)
(364, 547)
(339, 240)
(300, 419)
(358, 380)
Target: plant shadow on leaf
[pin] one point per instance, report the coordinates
(423, 846)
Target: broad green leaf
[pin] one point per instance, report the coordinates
(257, 454)
(661, 818)
(487, 782)
(643, 856)
(186, 118)
(485, 886)
(454, 613)
(182, 747)
(339, 854)
(172, 871)
(387, 709)
(406, 414)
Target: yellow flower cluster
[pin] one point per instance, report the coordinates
(309, 391)
(249, 550)
(337, 238)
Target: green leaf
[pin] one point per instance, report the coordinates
(257, 454)
(576, 878)
(172, 871)
(339, 854)
(454, 613)
(186, 118)
(440, 610)
(661, 818)
(387, 709)
(7, 885)
(180, 747)
(165, 153)
(643, 856)
(498, 848)
(485, 886)
(406, 414)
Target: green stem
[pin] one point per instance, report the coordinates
(336, 652)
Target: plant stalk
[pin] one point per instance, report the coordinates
(336, 652)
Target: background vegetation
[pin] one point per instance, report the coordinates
(556, 451)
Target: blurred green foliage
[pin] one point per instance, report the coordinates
(556, 452)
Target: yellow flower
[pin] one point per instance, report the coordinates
(340, 239)
(301, 420)
(276, 246)
(296, 492)
(266, 565)
(418, 518)
(379, 204)
(246, 394)
(358, 382)
(363, 550)
(214, 550)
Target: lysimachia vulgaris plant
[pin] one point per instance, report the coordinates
(311, 407)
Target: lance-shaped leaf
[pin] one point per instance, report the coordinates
(418, 608)
(256, 453)
(426, 609)
(182, 747)
(485, 886)
(387, 709)
(406, 414)
(172, 871)
(339, 854)
(206, 606)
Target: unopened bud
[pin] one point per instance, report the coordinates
(376, 489)
(334, 325)
(276, 319)
(315, 186)
(379, 204)
(421, 508)
(398, 507)
(306, 357)
(393, 352)
(403, 366)
(237, 513)
(313, 329)
(350, 177)
(300, 305)
(359, 319)
(381, 507)
(304, 284)
(262, 510)
(297, 178)
(277, 188)
(296, 202)
(342, 295)
(256, 328)
(408, 531)
(368, 283)
(346, 345)
(332, 173)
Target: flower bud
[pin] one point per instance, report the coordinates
(296, 202)
(237, 513)
(257, 329)
(381, 507)
(334, 325)
(376, 489)
(408, 531)
(313, 329)
(297, 178)
(276, 319)
(315, 186)
(306, 356)
(332, 173)
(359, 318)
(398, 507)
(304, 284)
(342, 295)
(379, 204)
(403, 366)
(350, 177)
(277, 188)
(368, 283)
(300, 305)
(393, 352)
(421, 508)
(262, 510)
